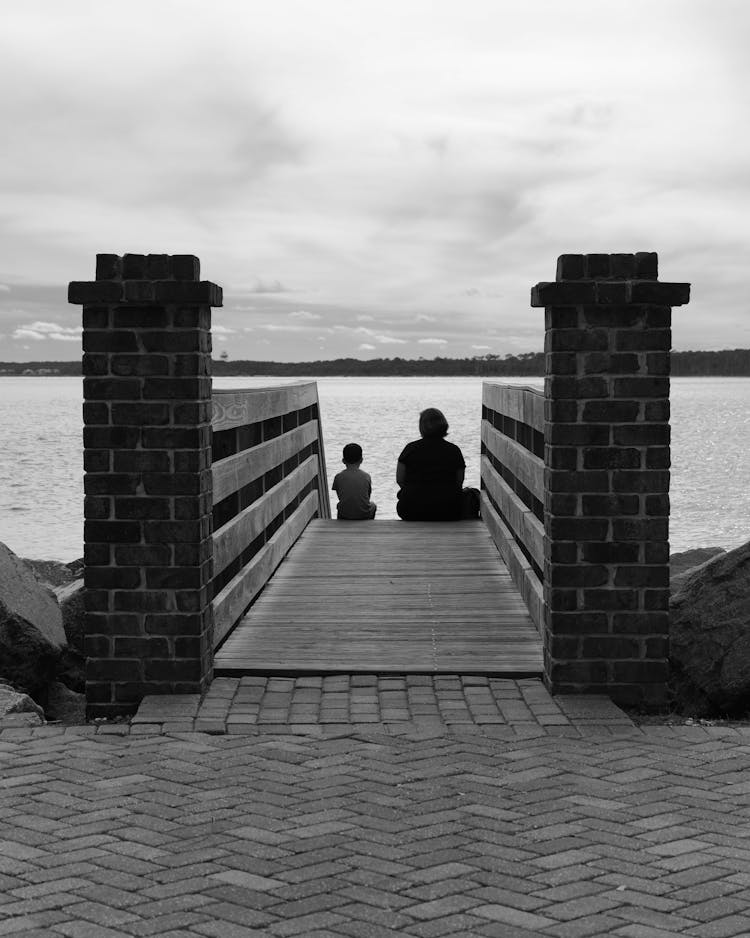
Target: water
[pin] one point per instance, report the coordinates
(41, 463)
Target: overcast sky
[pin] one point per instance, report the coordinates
(373, 178)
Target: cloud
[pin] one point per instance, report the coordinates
(269, 286)
(281, 327)
(39, 331)
(388, 339)
(366, 347)
(327, 147)
(4, 288)
(590, 115)
(433, 341)
(222, 333)
(380, 337)
(40, 337)
(482, 348)
(304, 314)
(439, 145)
(151, 138)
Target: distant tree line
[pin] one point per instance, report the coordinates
(726, 363)
(529, 363)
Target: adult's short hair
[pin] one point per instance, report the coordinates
(432, 423)
(352, 453)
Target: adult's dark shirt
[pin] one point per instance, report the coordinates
(431, 488)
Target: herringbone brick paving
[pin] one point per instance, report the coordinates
(257, 704)
(371, 829)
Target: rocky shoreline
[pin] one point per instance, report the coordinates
(42, 636)
(41, 641)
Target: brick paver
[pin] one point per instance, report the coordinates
(561, 819)
(254, 705)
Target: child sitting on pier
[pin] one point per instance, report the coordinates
(354, 487)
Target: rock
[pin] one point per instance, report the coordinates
(70, 600)
(76, 568)
(688, 560)
(51, 572)
(65, 705)
(710, 634)
(19, 721)
(71, 669)
(12, 702)
(31, 628)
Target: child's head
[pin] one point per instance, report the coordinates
(352, 454)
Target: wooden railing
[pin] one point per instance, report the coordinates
(512, 478)
(269, 480)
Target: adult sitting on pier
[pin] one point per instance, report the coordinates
(430, 473)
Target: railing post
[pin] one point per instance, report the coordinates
(607, 457)
(147, 461)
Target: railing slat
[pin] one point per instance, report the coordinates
(239, 408)
(521, 571)
(525, 466)
(533, 410)
(519, 403)
(233, 600)
(241, 530)
(524, 523)
(234, 472)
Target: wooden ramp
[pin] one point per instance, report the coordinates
(387, 596)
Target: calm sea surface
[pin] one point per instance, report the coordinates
(41, 498)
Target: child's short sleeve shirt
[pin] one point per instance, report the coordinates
(353, 487)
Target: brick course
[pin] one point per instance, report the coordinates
(147, 436)
(606, 576)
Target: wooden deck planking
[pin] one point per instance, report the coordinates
(387, 596)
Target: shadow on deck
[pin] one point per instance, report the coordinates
(387, 596)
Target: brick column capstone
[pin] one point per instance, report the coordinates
(147, 462)
(607, 458)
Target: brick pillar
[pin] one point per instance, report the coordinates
(147, 461)
(607, 435)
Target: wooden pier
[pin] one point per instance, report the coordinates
(208, 541)
(387, 596)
